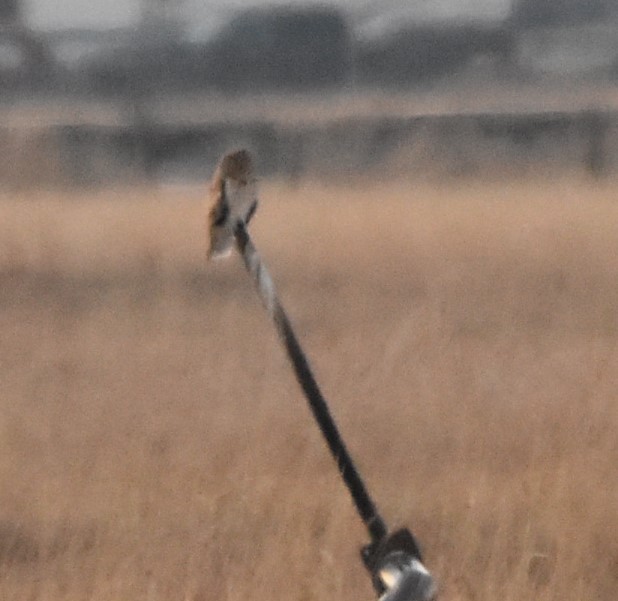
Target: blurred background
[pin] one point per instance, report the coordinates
(157, 89)
(440, 212)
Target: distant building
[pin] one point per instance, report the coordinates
(584, 49)
(566, 37)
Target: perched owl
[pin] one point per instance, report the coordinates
(233, 194)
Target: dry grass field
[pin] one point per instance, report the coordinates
(154, 445)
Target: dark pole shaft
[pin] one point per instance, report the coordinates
(364, 504)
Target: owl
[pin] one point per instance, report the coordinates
(233, 196)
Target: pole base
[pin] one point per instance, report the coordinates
(397, 570)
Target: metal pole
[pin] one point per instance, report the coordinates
(266, 289)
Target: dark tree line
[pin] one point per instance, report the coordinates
(300, 47)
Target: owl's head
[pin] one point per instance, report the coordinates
(237, 165)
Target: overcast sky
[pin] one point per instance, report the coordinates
(54, 14)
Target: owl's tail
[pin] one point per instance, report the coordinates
(221, 243)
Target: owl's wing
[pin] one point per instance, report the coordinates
(221, 238)
(220, 210)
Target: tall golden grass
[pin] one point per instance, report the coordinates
(154, 444)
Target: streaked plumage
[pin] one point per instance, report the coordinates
(233, 197)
